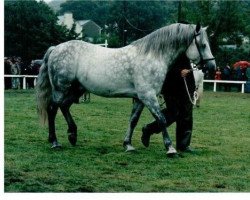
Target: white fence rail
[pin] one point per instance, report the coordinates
(105, 44)
(227, 82)
(24, 77)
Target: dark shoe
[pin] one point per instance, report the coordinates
(145, 137)
(187, 150)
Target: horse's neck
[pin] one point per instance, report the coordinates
(174, 51)
(171, 57)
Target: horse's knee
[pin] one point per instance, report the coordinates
(162, 122)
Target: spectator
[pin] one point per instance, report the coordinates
(238, 77)
(217, 74)
(227, 76)
(248, 74)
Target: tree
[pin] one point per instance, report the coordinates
(72, 33)
(224, 19)
(135, 19)
(227, 20)
(126, 20)
(97, 11)
(30, 29)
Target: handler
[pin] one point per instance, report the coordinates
(179, 107)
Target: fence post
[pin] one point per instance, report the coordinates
(106, 43)
(24, 82)
(242, 88)
(214, 86)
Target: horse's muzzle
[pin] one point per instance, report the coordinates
(208, 65)
(211, 65)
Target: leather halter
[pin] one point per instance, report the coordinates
(202, 61)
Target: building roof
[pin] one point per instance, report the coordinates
(80, 22)
(84, 22)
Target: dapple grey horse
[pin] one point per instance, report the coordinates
(135, 71)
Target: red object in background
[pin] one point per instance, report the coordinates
(243, 64)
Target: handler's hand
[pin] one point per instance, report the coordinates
(184, 72)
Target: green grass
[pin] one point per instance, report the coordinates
(99, 164)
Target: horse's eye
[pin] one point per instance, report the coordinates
(203, 46)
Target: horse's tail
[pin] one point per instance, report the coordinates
(43, 89)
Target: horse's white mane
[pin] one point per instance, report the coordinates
(173, 36)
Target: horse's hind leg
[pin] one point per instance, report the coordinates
(76, 92)
(52, 110)
(135, 115)
(72, 128)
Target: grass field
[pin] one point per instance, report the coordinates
(99, 164)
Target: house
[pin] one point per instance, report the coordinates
(87, 28)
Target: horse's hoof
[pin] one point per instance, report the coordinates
(72, 138)
(56, 145)
(129, 148)
(172, 153)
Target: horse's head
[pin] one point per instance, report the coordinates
(199, 50)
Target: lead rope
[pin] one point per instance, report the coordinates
(193, 101)
(195, 96)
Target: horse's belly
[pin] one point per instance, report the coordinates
(109, 88)
(115, 93)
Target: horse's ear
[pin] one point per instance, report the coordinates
(198, 27)
(205, 28)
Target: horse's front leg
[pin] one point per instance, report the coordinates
(135, 115)
(153, 105)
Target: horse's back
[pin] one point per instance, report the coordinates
(100, 70)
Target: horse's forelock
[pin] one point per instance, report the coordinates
(173, 36)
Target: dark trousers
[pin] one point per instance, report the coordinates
(179, 110)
